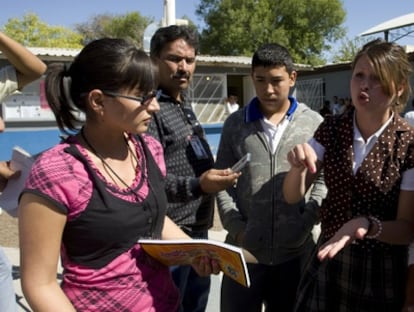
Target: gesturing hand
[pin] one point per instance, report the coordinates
(303, 156)
(351, 230)
(215, 180)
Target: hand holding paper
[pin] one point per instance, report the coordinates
(21, 161)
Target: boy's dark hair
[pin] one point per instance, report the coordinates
(171, 33)
(273, 54)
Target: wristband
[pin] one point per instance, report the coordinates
(373, 220)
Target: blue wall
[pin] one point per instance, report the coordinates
(35, 140)
(213, 132)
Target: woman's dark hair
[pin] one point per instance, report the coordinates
(106, 64)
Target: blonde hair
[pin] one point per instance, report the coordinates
(393, 68)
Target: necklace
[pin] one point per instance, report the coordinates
(106, 165)
(150, 211)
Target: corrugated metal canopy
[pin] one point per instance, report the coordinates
(70, 53)
(200, 58)
(398, 22)
(242, 60)
(61, 54)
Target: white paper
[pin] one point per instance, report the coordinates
(21, 161)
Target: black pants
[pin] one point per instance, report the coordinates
(273, 286)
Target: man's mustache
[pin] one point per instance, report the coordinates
(180, 75)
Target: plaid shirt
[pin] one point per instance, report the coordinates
(175, 125)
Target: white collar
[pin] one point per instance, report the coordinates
(374, 136)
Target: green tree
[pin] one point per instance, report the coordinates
(32, 32)
(130, 26)
(191, 24)
(237, 27)
(348, 49)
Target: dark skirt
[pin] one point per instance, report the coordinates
(356, 279)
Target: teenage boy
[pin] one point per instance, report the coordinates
(254, 211)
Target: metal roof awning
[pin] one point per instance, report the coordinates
(395, 23)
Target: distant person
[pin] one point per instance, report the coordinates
(25, 67)
(325, 109)
(338, 106)
(191, 180)
(335, 105)
(367, 217)
(253, 212)
(95, 194)
(348, 103)
(342, 106)
(409, 116)
(231, 104)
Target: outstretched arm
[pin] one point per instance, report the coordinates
(216, 180)
(28, 66)
(398, 231)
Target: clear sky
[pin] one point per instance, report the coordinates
(361, 14)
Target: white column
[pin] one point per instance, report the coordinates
(169, 13)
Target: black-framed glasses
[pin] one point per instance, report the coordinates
(143, 100)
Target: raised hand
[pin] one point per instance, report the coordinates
(303, 156)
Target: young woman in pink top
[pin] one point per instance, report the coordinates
(91, 197)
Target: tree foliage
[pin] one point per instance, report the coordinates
(130, 26)
(348, 49)
(191, 24)
(237, 27)
(32, 32)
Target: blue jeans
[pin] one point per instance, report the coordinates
(7, 295)
(194, 289)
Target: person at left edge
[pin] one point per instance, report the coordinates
(25, 67)
(92, 196)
